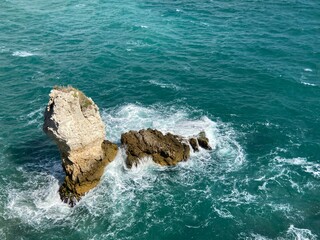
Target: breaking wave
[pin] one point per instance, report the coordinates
(22, 54)
(146, 198)
(123, 195)
(292, 233)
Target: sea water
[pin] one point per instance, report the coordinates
(245, 72)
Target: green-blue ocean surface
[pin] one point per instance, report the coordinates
(247, 72)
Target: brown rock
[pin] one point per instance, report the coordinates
(165, 150)
(203, 141)
(194, 144)
(74, 123)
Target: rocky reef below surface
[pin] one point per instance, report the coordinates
(73, 121)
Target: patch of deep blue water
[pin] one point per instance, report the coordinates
(245, 72)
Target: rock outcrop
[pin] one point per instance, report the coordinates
(200, 141)
(73, 121)
(166, 150)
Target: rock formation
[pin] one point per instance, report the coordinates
(194, 144)
(74, 123)
(200, 141)
(166, 150)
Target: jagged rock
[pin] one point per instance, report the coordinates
(194, 144)
(203, 141)
(200, 141)
(165, 150)
(73, 121)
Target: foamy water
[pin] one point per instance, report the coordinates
(123, 193)
(246, 73)
(22, 54)
(38, 203)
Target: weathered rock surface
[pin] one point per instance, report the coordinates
(166, 150)
(194, 144)
(200, 141)
(73, 121)
(203, 141)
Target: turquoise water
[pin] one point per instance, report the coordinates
(247, 72)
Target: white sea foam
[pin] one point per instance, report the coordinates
(165, 85)
(204, 24)
(300, 234)
(37, 201)
(308, 167)
(291, 233)
(2, 234)
(281, 207)
(308, 84)
(258, 237)
(238, 196)
(263, 187)
(121, 189)
(22, 54)
(222, 137)
(80, 5)
(137, 44)
(34, 117)
(178, 121)
(287, 210)
(123, 192)
(308, 70)
(222, 212)
(279, 174)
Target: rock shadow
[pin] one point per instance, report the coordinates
(36, 155)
